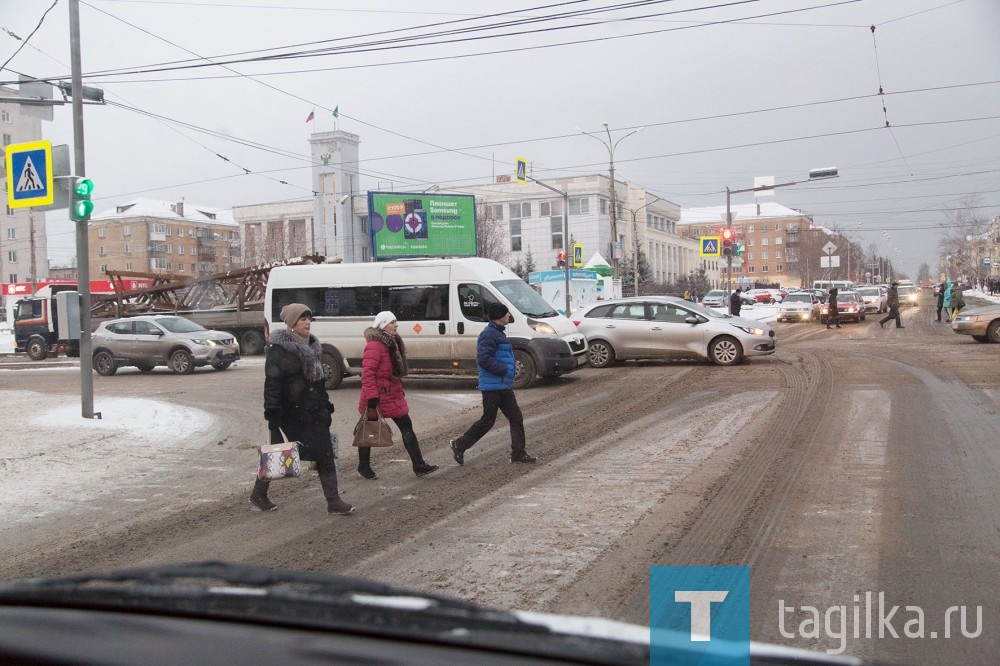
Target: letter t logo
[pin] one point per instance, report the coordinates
(701, 610)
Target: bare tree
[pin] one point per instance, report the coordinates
(492, 239)
(962, 241)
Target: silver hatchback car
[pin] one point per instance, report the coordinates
(650, 327)
(151, 340)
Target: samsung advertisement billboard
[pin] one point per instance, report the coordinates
(422, 225)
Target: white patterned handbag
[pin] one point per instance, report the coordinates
(280, 461)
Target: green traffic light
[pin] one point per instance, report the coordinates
(82, 205)
(83, 209)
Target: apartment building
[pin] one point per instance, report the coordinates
(152, 236)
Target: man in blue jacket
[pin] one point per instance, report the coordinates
(495, 357)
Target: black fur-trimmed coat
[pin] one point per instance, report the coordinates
(295, 398)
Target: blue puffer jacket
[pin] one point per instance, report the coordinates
(495, 357)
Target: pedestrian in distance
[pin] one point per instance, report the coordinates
(946, 303)
(735, 302)
(892, 301)
(495, 358)
(940, 300)
(296, 402)
(833, 314)
(383, 366)
(957, 301)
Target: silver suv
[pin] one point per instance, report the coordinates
(152, 340)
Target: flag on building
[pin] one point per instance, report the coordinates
(336, 111)
(311, 116)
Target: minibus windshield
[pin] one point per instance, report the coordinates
(524, 298)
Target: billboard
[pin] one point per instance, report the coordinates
(422, 225)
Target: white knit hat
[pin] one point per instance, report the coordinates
(382, 319)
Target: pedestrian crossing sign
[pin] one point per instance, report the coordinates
(29, 174)
(711, 246)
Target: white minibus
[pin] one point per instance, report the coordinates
(440, 305)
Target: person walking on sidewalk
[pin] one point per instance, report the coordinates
(892, 300)
(295, 400)
(946, 303)
(833, 314)
(495, 357)
(940, 300)
(735, 302)
(383, 366)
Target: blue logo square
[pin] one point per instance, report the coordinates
(699, 616)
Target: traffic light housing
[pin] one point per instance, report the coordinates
(728, 239)
(82, 206)
(561, 260)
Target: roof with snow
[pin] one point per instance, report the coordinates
(168, 210)
(741, 213)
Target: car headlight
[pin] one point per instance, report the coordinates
(541, 327)
(206, 343)
(967, 318)
(750, 329)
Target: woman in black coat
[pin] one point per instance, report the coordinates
(296, 401)
(833, 313)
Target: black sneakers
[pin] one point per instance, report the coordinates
(457, 453)
(522, 457)
(368, 473)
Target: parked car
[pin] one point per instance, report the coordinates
(874, 298)
(649, 327)
(850, 306)
(800, 306)
(983, 324)
(151, 340)
(716, 298)
(764, 295)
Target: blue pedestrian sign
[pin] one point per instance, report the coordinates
(29, 174)
(710, 246)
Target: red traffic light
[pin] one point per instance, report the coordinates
(727, 234)
(562, 256)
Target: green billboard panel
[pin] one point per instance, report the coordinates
(422, 225)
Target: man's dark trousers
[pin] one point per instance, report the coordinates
(893, 313)
(505, 401)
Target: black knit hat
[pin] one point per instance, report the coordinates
(496, 311)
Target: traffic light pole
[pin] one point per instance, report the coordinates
(565, 196)
(82, 243)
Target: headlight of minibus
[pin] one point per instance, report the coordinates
(541, 327)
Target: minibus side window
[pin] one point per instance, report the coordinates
(419, 303)
(473, 300)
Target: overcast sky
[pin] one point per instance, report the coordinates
(726, 91)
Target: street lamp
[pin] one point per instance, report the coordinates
(635, 246)
(610, 144)
(814, 174)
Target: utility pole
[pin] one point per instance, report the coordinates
(82, 242)
(31, 245)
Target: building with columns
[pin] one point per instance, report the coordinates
(336, 226)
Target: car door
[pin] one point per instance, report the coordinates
(628, 330)
(118, 339)
(671, 335)
(148, 342)
(470, 320)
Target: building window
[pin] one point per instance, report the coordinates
(750, 242)
(556, 226)
(192, 268)
(10, 212)
(128, 265)
(750, 269)
(180, 249)
(11, 233)
(763, 241)
(126, 231)
(777, 255)
(777, 226)
(763, 227)
(100, 232)
(5, 115)
(128, 249)
(12, 256)
(12, 278)
(519, 210)
(579, 205)
(749, 228)
(778, 240)
(779, 268)
(604, 207)
(793, 227)
(7, 139)
(749, 256)
(545, 209)
(159, 228)
(493, 211)
(103, 268)
(763, 269)
(102, 251)
(159, 263)
(180, 268)
(763, 255)
(515, 235)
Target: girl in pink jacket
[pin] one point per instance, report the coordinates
(382, 368)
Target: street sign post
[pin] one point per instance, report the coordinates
(29, 174)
